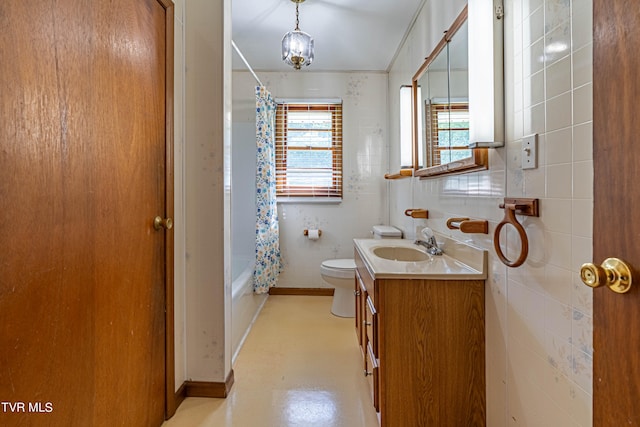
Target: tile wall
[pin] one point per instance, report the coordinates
(365, 160)
(539, 316)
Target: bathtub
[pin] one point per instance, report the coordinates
(245, 304)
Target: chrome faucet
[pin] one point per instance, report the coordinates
(429, 243)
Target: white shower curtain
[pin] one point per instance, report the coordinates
(267, 267)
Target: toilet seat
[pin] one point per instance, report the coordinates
(341, 268)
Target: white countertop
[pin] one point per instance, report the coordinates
(459, 261)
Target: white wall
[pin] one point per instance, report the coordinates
(539, 316)
(243, 193)
(203, 176)
(365, 160)
(179, 283)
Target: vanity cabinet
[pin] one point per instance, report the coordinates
(422, 344)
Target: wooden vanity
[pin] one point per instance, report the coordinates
(422, 342)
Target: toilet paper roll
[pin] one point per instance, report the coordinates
(313, 234)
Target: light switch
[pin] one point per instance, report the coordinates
(530, 151)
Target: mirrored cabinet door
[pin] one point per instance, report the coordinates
(442, 121)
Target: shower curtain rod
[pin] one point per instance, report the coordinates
(245, 62)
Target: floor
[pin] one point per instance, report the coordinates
(299, 366)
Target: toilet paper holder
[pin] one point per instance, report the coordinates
(306, 232)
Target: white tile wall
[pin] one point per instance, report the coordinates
(539, 316)
(559, 146)
(558, 77)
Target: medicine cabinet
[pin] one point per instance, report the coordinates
(457, 93)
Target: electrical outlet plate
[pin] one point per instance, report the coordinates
(530, 151)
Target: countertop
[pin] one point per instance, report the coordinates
(460, 261)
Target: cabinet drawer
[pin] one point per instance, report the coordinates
(371, 372)
(366, 278)
(371, 325)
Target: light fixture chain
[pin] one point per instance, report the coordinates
(297, 18)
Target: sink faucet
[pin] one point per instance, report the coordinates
(430, 242)
(431, 245)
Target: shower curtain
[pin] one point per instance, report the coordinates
(267, 266)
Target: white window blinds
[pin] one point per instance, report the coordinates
(449, 124)
(308, 149)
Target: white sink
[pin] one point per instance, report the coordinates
(400, 253)
(403, 259)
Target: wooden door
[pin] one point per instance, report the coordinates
(616, 127)
(83, 173)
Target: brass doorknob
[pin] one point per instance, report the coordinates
(613, 273)
(159, 223)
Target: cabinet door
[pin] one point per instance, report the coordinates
(361, 298)
(371, 372)
(371, 325)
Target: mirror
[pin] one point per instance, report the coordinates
(434, 111)
(406, 120)
(443, 116)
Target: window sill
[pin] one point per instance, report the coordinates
(310, 200)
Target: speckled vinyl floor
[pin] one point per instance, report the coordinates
(300, 366)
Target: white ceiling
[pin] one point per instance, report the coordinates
(349, 35)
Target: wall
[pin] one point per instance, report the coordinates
(365, 159)
(179, 282)
(202, 184)
(538, 325)
(243, 192)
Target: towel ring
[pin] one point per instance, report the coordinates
(527, 207)
(510, 218)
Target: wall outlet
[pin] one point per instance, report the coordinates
(530, 151)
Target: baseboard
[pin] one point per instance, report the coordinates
(208, 388)
(199, 389)
(324, 292)
(178, 398)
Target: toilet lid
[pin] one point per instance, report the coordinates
(386, 231)
(340, 264)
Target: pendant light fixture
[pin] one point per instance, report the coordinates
(297, 46)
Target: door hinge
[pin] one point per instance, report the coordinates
(499, 12)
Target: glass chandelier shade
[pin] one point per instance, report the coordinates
(297, 46)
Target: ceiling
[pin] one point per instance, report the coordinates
(349, 35)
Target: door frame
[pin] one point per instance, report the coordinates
(616, 319)
(170, 366)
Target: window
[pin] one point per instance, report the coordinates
(449, 132)
(309, 150)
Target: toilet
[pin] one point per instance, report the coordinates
(340, 273)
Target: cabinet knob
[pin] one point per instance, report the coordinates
(367, 373)
(365, 323)
(356, 293)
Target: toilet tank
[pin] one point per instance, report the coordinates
(386, 232)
